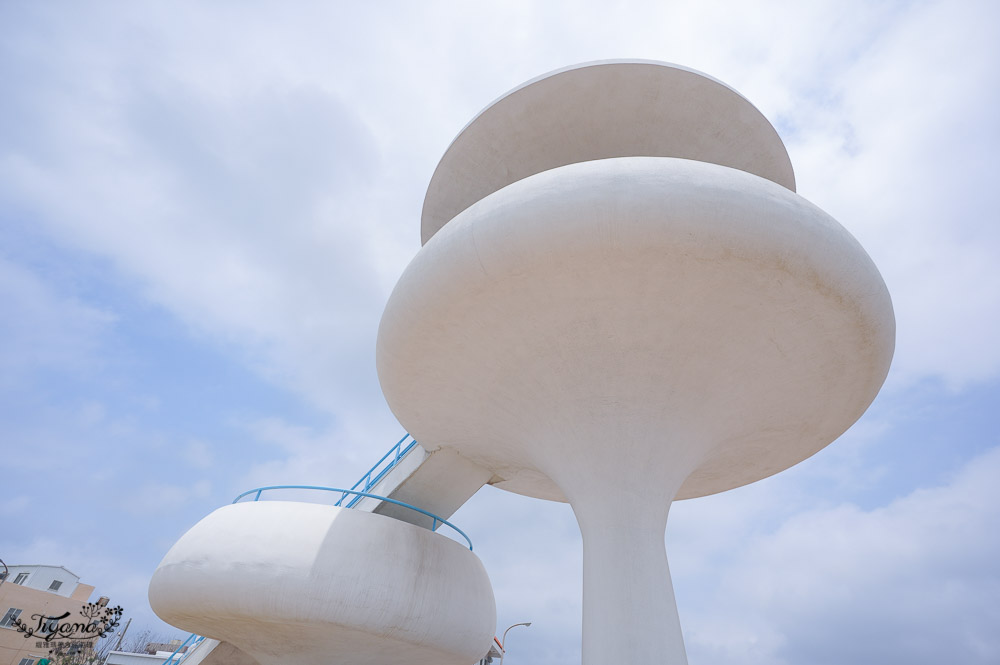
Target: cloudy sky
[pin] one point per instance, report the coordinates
(204, 206)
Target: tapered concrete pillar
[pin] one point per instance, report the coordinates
(627, 592)
(622, 508)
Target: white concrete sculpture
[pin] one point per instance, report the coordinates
(621, 302)
(290, 582)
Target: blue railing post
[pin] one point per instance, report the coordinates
(176, 652)
(375, 475)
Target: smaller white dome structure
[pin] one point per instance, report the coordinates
(290, 582)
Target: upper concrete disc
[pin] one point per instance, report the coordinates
(597, 110)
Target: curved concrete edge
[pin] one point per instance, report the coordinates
(489, 311)
(295, 582)
(594, 63)
(599, 110)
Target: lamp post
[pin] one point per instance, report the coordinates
(503, 641)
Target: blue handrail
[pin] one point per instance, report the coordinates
(258, 491)
(181, 656)
(371, 479)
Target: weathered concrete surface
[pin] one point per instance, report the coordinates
(292, 582)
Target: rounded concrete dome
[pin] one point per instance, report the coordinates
(305, 583)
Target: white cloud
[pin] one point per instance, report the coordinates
(198, 454)
(236, 226)
(42, 329)
(154, 498)
(903, 151)
(769, 574)
(14, 504)
(270, 197)
(333, 456)
(914, 581)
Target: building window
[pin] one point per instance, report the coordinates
(9, 617)
(20, 578)
(26, 661)
(55, 585)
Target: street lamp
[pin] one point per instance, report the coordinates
(503, 641)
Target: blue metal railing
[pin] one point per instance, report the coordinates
(435, 519)
(376, 474)
(181, 656)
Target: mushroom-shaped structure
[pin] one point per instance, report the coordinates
(638, 309)
(290, 582)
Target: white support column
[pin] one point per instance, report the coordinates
(629, 612)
